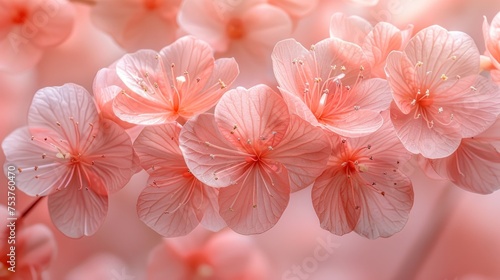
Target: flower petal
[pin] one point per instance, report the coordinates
(165, 259)
(37, 246)
(78, 212)
(247, 117)
(349, 28)
(304, 152)
(255, 203)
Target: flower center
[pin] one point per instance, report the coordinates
(20, 16)
(151, 4)
(235, 29)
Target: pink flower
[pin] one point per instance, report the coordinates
(475, 165)
(179, 82)
(68, 154)
(29, 27)
(377, 42)
(35, 247)
(439, 98)
(174, 202)
(246, 30)
(326, 86)
(362, 188)
(491, 35)
(295, 8)
(138, 24)
(256, 152)
(222, 256)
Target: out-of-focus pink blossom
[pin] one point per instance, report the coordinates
(326, 86)
(362, 188)
(475, 165)
(491, 35)
(34, 248)
(222, 256)
(295, 8)
(179, 82)
(28, 27)
(138, 24)
(377, 42)
(174, 202)
(256, 152)
(67, 153)
(439, 98)
(245, 30)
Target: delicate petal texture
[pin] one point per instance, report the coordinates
(260, 118)
(329, 80)
(304, 152)
(77, 212)
(209, 156)
(174, 202)
(257, 152)
(362, 188)
(182, 80)
(439, 98)
(349, 28)
(383, 39)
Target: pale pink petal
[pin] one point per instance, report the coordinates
(202, 19)
(373, 94)
(36, 246)
(209, 156)
(266, 25)
(166, 205)
(76, 211)
(256, 202)
(257, 116)
(383, 39)
(297, 107)
(334, 201)
(349, 28)
(474, 166)
(224, 74)
(442, 52)
(402, 77)
(211, 217)
(417, 137)
(112, 156)
(304, 152)
(366, 3)
(68, 110)
(386, 198)
(491, 38)
(295, 8)
(473, 101)
(356, 123)
(52, 22)
(149, 30)
(495, 76)
(18, 53)
(25, 154)
(131, 108)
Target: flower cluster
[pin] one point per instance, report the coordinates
(348, 112)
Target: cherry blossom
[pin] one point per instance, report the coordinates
(326, 86)
(362, 188)
(138, 24)
(179, 82)
(35, 247)
(295, 8)
(174, 202)
(28, 28)
(491, 35)
(475, 165)
(377, 41)
(222, 256)
(69, 155)
(439, 98)
(256, 152)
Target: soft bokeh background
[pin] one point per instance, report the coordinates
(451, 234)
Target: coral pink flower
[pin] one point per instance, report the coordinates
(256, 152)
(174, 202)
(138, 24)
(326, 86)
(67, 153)
(362, 188)
(377, 42)
(475, 165)
(222, 256)
(491, 35)
(35, 247)
(29, 27)
(246, 30)
(295, 8)
(179, 82)
(439, 98)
